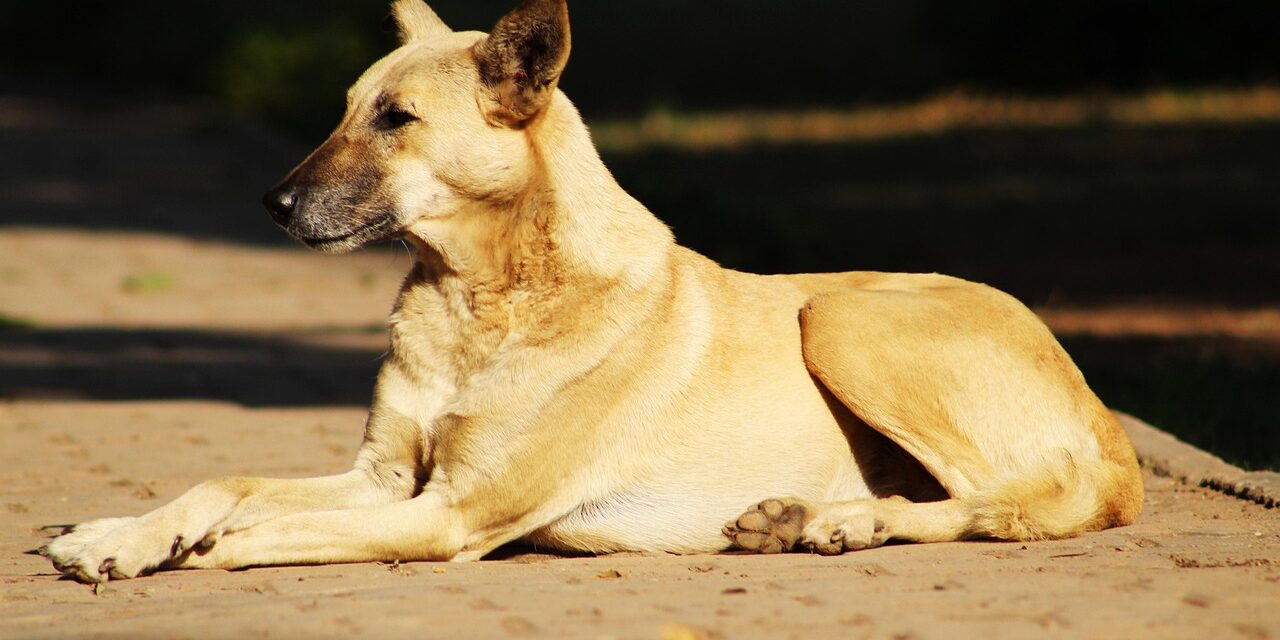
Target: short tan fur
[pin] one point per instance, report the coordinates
(562, 372)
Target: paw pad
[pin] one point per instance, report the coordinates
(772, 526)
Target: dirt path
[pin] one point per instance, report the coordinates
(1197, 565)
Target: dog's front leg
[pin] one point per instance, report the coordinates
(423, 528)
(387, 469)
(117, 548)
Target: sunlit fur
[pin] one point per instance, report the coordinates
(561, 371)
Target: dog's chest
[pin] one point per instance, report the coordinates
(447, 329)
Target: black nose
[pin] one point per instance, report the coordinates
(280, 202)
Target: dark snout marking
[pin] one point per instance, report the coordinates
(318, 168)
(334, 199)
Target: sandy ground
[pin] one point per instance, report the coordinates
(134, 365)
(1197, 565)
(100, 423)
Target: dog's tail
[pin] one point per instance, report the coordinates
(1068, 498)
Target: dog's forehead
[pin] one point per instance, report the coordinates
(420, 65)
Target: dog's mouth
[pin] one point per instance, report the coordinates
(381, 228)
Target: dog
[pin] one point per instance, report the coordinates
(563, 373)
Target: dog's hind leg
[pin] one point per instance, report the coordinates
(782, 524)
(968, 382)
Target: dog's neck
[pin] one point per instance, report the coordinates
(574, 227)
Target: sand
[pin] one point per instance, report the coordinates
(109, 415)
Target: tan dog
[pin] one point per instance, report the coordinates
(562, 372)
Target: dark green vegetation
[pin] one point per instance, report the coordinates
(1177, 216)
(291, 60)
(1071, 216)
(11, 324)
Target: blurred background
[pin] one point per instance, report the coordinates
(1115, 165)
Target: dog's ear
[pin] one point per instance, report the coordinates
(521, 60)
(413, 19)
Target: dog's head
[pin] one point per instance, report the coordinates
(435, 127)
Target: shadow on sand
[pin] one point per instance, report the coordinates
(257, 370)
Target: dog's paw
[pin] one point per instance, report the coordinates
(773, 526)
(74, 552)
(111, 549)
(845, 527)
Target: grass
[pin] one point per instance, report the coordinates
(1081, 215)
(10, 324)
(290, 61)
(150, 282)
(956, 111)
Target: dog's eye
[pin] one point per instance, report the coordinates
(395, 117)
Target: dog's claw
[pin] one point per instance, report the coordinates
(206, 543)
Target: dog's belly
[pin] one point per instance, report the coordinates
(751, 423)
(669, 519)
(684, 499)
(678, 519)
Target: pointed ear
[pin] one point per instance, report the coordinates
(413, 19)
(521, 60)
